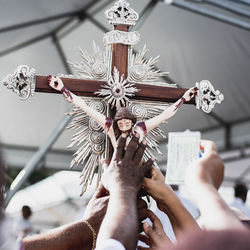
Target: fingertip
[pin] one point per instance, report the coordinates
(137, 135)
(146, 224)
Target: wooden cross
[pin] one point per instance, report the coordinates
(22, 81)
(87, 88)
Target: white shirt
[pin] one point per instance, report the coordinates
(239, 204)
(8, 240)
(110, 244)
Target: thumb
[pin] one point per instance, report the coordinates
(146, 167)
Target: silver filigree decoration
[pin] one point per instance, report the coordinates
(89, 140)
(121, 13)
(92, 66)
(207, 96)
(142, 70)
(117, 36)
(117, 90)
(144, 111)
(22, 82)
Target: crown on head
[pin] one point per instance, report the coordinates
(122, 14)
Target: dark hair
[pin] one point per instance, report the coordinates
(26, 211)
(121, 113)
(240, 190)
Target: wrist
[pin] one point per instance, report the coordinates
(121, 190)
(160, 193)
(94, 222)
(93, 232)
(200, 190)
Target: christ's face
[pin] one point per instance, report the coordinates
(124, 124)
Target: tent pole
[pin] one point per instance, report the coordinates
(209, 13)
(35, 160)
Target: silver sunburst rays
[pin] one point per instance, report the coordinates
(142, 70)
(117, 90)
(89, 140)
(94, 67)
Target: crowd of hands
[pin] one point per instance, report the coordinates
(117, 210)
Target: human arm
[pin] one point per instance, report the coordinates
(203, 178)
(170, 111)
(169, 203)
(57, 84)
(123, 179)
(155, 236)
(76, 235)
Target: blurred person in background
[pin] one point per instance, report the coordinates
(7, 232)
(240, 197)
(23, 224)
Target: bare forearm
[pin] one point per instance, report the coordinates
(74, 236)
(79, 102)
(215, 213)
(165, 115)
(121, 220)
(180, 218)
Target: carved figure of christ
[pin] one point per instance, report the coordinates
(123, 118)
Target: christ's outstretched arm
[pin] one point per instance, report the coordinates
(170, 111)
(57, 84)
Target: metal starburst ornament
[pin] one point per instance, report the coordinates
(117, 90)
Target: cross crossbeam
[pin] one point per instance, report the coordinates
(89, 87)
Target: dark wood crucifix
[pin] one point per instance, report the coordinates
(133, 68)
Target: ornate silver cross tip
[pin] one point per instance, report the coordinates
(22, 82)
(122, 14)
(207, 96)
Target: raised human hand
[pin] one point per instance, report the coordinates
(208, 170)
(156, 186)
(155, 236)
(203, 178)
(126, 169)
(190, 93)
(169, 203)
(56, 83)
(97, 208)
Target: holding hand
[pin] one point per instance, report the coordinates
(203, 178)
(97, 208)
(169, 203)
(156, 187)
(155, 236)
(208, 170)
(125, 169)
